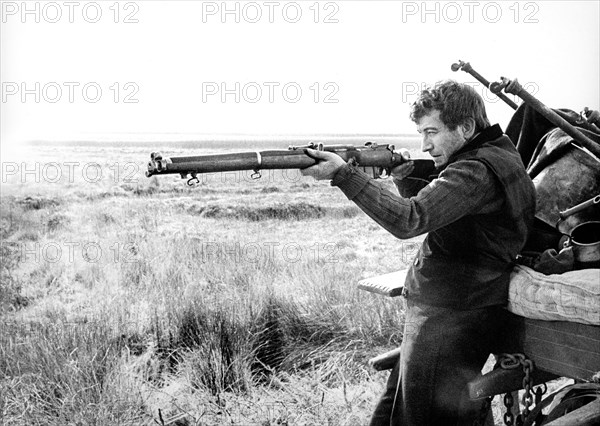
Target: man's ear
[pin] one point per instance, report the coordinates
(468, 128)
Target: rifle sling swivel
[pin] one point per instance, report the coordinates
(256, 174)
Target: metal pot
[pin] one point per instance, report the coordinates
(585, 240)
(568, 181)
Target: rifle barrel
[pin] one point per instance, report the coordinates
(378, 157)
(265, 160)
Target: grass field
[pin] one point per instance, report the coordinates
(132, 301)
(126, 300)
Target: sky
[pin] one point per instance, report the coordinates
(158, 70)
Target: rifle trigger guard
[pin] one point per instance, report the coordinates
(384, 173)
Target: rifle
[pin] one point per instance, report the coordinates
(379, 158)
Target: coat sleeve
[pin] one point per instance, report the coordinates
(463, 188)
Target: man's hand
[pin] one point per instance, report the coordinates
(405, 169)
(327, 165)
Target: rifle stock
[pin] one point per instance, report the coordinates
(380, 158)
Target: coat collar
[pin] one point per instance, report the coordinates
(488, 134)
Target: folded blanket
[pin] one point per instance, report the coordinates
(572, 296)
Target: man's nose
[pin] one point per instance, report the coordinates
(426, 145)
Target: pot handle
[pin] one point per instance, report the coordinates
(579, 207)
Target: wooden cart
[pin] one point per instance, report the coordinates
(556, 349)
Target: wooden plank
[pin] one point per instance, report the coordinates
(385, 361)
(500, 381)
(569, 332)
(562, 348)
(560, 359)
(390, 285)
(588, 415)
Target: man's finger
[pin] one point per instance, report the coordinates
(314, 154)
(405, 166)
(403, 170)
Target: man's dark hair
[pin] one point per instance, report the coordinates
(455, 101)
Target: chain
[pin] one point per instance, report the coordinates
(527, 383)
(508, 403)
(510, 362)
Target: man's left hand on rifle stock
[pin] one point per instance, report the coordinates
(328, 164)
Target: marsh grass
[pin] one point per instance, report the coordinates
(63, 373)
(231, 302)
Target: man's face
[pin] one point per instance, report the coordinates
(438, 140)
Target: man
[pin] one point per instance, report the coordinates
(477, 214)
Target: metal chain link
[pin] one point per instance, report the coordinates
(508, 403)
(510, 362)
(527, 383)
